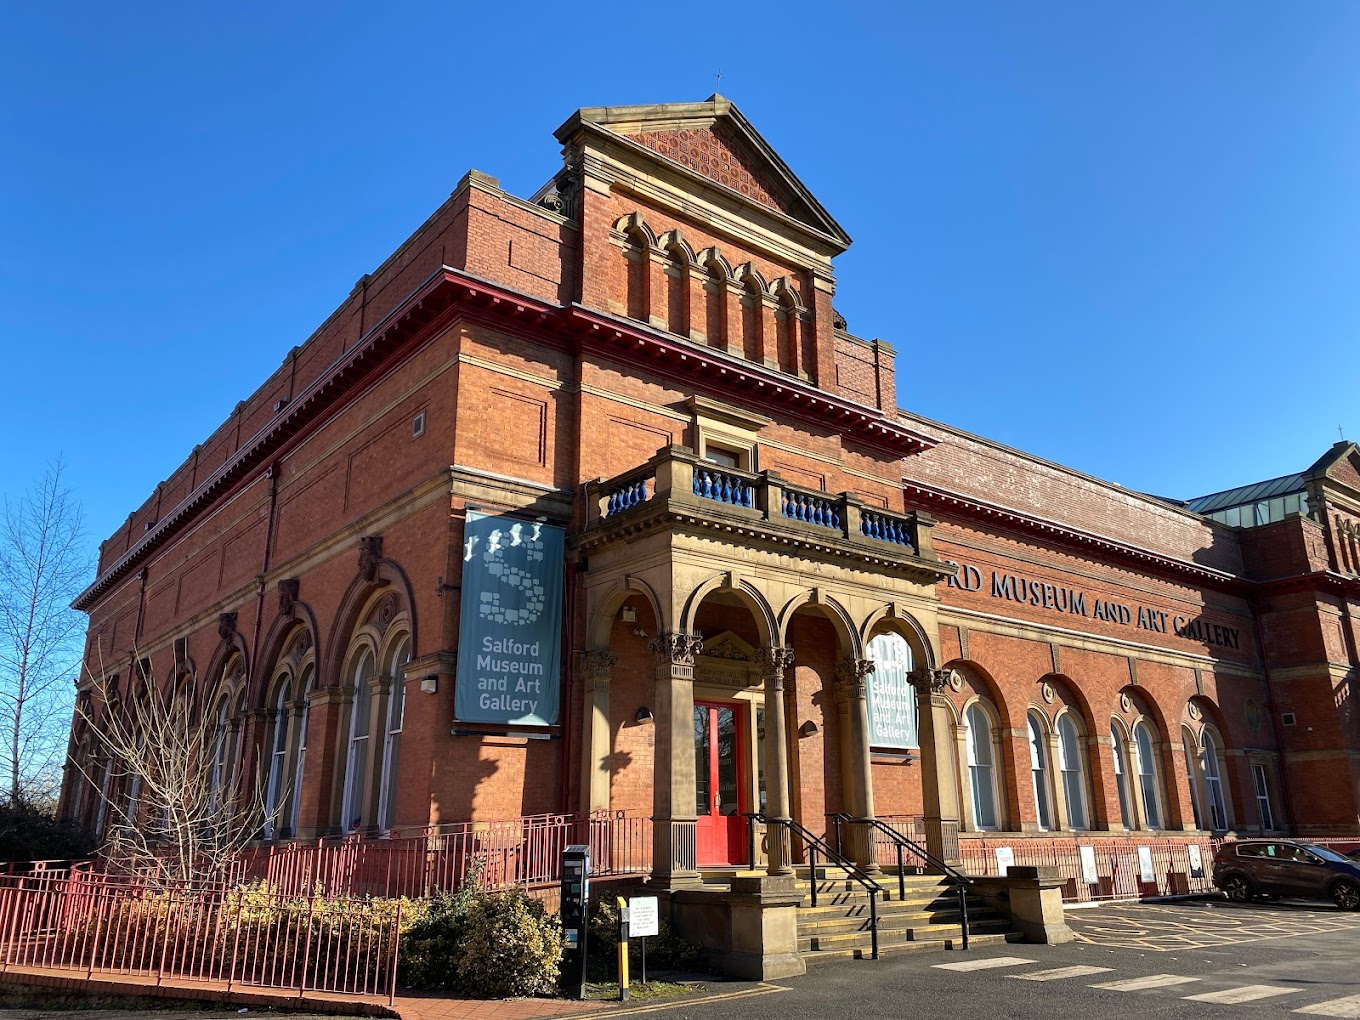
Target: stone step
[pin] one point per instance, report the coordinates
(975, 941)
(842, 896)
(913, 919)
(862, 939)
(860, 904)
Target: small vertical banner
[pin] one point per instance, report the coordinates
(1005, 859)
(1145, 869)
(1089, 874)
(1196, 860)
(891, 699)
(510, 625)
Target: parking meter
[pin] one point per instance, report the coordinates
(575, 918)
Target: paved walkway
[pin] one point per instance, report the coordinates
(407, 1007)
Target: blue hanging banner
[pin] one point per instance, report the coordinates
(510, 628)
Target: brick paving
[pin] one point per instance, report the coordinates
(406, 1007)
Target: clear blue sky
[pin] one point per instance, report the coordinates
(1120, 236)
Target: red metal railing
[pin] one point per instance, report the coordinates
(425, 862)
(319, 916)
(1104, 868)
(91, 925)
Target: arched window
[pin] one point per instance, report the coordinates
(396, 711)
(356, 760)
(219, 780)
(1121, 777)
(981, 777)
(1070, 762)
(306, 684)
(1149, 781)
(1213, 783)
(1193, 769)
(276, 790)
(1038, 767)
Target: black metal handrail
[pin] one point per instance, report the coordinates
(901, 842)
(814, 844)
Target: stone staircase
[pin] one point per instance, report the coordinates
(927, 917)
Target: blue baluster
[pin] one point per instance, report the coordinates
(835, 516)
(643, 490)
(746, 499)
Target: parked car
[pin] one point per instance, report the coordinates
(1287, 869)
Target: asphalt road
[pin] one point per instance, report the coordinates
(1253, 962)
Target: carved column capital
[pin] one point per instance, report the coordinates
(596, 667)
(773, 661)
(929, 679)
(674, 652)
(851, 676)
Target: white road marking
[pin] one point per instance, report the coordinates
(1247, 993)
(1348, 1007)
(1143, 983)
(1058, 973)
(995, 961)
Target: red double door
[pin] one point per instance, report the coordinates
(720, 781)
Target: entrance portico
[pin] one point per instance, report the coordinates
(753, 626)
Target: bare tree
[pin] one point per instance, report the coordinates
(43, 565)
(164, 765)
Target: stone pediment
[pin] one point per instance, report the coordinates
(728, 646)
(725, 660)
(714, 140)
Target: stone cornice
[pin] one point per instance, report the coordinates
(450, 294)
(652, 350)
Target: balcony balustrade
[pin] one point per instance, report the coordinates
(677, 476)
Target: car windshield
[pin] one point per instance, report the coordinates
(1329, 855)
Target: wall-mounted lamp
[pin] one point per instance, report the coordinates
(430, 684)
(639, 632)
(807, 729)
(643, 714)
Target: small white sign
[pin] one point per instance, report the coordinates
(1145, 869)
(1196, 861)
(1005, 857)
(1089, 874)
(643, 918)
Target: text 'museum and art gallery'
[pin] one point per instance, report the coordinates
(590, 503)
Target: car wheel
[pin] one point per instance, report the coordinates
(1237, 888)
(1346, 895)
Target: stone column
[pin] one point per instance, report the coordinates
(857, 779)
(596, 669)
(773, 663)
(939, 790)
(673, 850)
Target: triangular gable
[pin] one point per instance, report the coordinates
(714, 140)
(1341, 464)
(728, 645)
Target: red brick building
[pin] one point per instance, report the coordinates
(763, 551)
